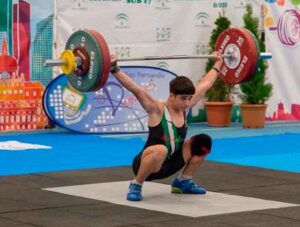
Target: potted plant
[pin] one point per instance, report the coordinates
(256, 91)
(218, 105)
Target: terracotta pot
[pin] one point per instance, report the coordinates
(218, 113)
(253, 115)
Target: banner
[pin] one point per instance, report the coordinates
(135, 28)
(26, 39)
(27, 28)
(33, 30)
(282, 21)
(112, 109)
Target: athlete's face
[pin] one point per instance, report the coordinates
(182, 102)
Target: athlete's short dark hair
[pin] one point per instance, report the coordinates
(201, 144)
(182, 85)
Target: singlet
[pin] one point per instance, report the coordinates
(167, 133)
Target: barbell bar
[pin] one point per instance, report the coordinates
(78, 62)
(86, 58)
(264, 56)
(54, 62)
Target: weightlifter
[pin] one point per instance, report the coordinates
(167, 150)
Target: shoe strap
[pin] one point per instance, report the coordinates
(135, 187)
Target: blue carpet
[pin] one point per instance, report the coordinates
(72, 151)
(279, 152)
(69, 151)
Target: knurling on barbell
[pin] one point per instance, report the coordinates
(86, 59)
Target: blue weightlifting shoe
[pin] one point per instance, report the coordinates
(186, 187)
(135, 192)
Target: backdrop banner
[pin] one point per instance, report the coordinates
(111, 109)
(282, 22)
(135, 28)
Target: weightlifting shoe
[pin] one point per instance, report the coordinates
(134, 192)
(186, 187)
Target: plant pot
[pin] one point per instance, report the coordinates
(218, 113)
(253, 115)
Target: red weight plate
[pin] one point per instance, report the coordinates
(254, 41)
(235, 71)
(106, 57)
(255, 54)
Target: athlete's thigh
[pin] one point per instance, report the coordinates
(157, 149)
(160, 149)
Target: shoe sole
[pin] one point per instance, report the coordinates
(176, 190)
(134, 200)
(180, 191)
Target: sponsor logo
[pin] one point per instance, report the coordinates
(138, 2)
(163, 34)
(220, 5)
(202, 48)
(202, 19)
(122, 52)
(79, 4)
(122, 21)
(105, 0)
(163, 65)
(241, 4)
(162, 4)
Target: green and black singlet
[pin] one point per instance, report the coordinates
(165, 133)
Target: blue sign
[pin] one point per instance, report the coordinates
(112, 109)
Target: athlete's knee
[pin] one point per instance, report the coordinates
(158, 156)
(201, 145)
(157, 153)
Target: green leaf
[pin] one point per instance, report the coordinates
(256, 90)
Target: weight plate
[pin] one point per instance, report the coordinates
(241, 44)
(255, 67)
(90, 80)
(106, 58)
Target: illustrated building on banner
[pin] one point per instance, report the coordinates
(21, 105)
(22, 37)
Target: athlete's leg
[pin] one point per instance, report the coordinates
(149, 162)
(192, 161)
(194, 151)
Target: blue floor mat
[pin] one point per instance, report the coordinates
(279, 152)
(72, 151)
(69, 151)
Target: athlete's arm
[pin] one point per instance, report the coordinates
(146, 100)
(208, 80)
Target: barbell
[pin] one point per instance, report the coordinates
(288, 28)
(86, 58)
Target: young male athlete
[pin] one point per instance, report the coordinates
(167, 150)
